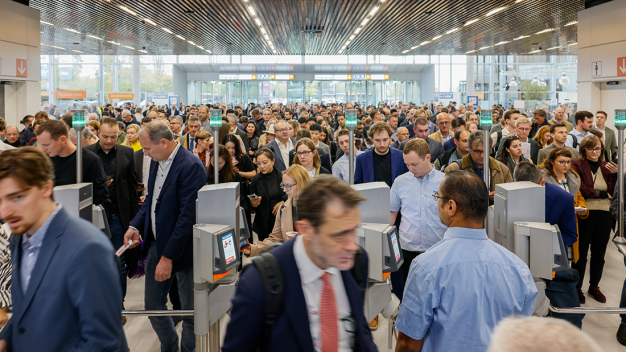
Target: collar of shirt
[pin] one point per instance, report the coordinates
(577, 133)
(426, 177)
(37, 238)
(287, 145)
(163, 164)
(464, 232)
(112, 149)
(309, 272)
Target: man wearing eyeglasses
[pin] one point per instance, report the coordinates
(282, 145)
(459, 289)
(530, 147)
(559, 117)
(443, 135)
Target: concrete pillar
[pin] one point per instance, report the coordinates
(136, 79)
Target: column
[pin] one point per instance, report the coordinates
(136, 79)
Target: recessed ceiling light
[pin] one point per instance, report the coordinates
(424, 43)
(365, 22)
(180, 37)
(352, 37)
(516, 1)
(167, 30)
(452, 31)
(437, 37)
(48, 23)
(258, 22)
(521, 37)
(571, 23)
(546, 30)
(494, 11)
(263, 30)
(128, 10)
(149, 21)
(358, 30)
(470, 22)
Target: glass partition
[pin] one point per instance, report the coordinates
(295, 92)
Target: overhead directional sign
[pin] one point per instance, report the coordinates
(621, 66)
(596, 68)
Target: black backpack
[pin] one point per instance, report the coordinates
(272, 278)
(494, 151)
(574, 141)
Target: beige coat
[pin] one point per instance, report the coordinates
(282, 225)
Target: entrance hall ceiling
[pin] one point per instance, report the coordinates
(308, 27)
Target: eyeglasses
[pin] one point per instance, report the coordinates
(283, 130)
(304, 153)
(595, 150)
(524, 129)
(443, 122)
(564, 162)
(436, 196)
(478, 152)
(287, 186)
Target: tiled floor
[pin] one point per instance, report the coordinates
(602, 327)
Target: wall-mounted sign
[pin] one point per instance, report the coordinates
(66, 73)
(125, 96)
(21, 68)
(472, 99)
(227, 77)
(621, 66)
(596, 68)
(379, 77)
(324, 77)
(284, 77)
(70, 94)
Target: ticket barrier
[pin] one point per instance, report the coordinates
(77, 199)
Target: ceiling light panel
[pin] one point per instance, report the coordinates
(358, 30)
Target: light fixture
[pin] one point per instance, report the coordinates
(546, 30)
(167, 30)
(365, 22)
(251, 9)
(494, 11)
(208, 51)
(77, 51)
(516, 1)
(94, 37)
(572, 44)
(263, 30)
(180, 37)
(143, 51)
(200, 47)
(414, 47)
(128, 10)
(48, 23)
(452, 30)
(352, 37)
(534, 51)
(374, 10)
(521, 37)
(358, 30)
(554, 47)
(470, 22)
(503, 42)
(437, 37)
(267, 37)
(129, 47)
(424, 43)
(571, 23)
(57, 47)
(471, 51)
(72, 30)
(149, 21)
(190, 42)
(485, 47)
(258, 22)
(112, 42)
(406, 51)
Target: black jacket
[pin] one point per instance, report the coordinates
(264, 219)
(27, 135)
(126, 181)
(244, 138)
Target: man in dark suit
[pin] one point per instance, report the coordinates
(381, 163)
(65, 277)
(282, 145)
(172, 111)
(166, 221)
(421, 131)
(317, 281)
(119, 167)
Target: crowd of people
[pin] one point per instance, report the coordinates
(291, 161)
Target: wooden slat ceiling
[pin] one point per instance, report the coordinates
(227, 27)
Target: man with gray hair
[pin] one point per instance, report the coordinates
(128, 119)
(93, 117)
(232, 119)
(166, 222)
(176, 124)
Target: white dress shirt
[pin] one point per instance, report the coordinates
(162, 170)
(312, 284)
(284, 150)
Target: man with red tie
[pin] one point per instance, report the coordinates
(322, 302)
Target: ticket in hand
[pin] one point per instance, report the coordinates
(123, 248)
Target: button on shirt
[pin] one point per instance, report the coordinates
(312, 284)
(341, 167)
(163, 168)
(31, 245)
(420, 227)
(460, 288)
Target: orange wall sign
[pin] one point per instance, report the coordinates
(70, 94)
(121, 95)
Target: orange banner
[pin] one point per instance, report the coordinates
(121, 95)
(69, 94)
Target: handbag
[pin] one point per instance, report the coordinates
(136, 261)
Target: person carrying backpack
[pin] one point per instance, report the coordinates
(312, 278)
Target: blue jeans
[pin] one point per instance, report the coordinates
(156, 299)
(117, 239)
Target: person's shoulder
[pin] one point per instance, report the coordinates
(124, 149)
(79, 233)
(89, 154)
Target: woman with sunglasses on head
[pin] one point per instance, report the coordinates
(307, 156)
(597, 184)
(295, 178)
(266, 196)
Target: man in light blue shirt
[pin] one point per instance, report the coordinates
(584, 123)
(420, 227)
(342, 165)
(460, 288)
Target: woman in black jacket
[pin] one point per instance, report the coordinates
(227, 171)
(266, 195)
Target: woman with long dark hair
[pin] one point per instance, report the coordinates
(512, 153)
(227, 172)
(254, 140)
(266, 196)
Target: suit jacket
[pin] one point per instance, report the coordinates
(279, 163)
(74, 293)
(175, 209)
(436, 149)
(364, 166)
(184, 140)
(438, 137)
(610, 143)
(449, 144)
(126, 181)
(324, 157)
(244, 137)
(291, 332)
(560, 211)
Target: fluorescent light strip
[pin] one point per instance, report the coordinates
(470, 22)
(365, 21)
(437, 37)
(534, 51)
(374, 10)
(57, 47)
(199, 46)
(571, 23)
(406, 51)
(572, 44)
(180, 37)
(190, 42)
(167, 30)
(554, 47)
(258, 22)
(143, 51)
(129, 47)
(76, 51)
(360, 28)
(251, 9)
(72, 30)
(504, 42)
(494, 11)
(112, 42)
(263, 30)
(150, 21)
(424, 43)
(452, 30)
(260, 25)
(414, 47)
(126, 9)
(208, 51)
(521, 37)
(94, 37)
(48, 23)
(485, 47)
(471, 51)
(546, 31)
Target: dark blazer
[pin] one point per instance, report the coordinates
(291, 332)
(126, 181)
(364, 166)
(74, 293)
(279, 163)
(264, 220)
(138, 155)
(324, 158)
(175, 209)
(586, 179)
(436, 149)
(560, 211)
(244, 138)
(449, 144)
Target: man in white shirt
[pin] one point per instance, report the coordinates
(342, 165)
(322, 307)
(584, 123)
(282, 145)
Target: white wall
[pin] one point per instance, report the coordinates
(428, 84)
(19, 39)
(179, 83)
(601, 37)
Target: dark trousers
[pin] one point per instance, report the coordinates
(594, 234)
(117, 239)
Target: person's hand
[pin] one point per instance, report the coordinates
(491, 194)
(609, 195)
(141, 188)
(163, 270)
(4, 318)
(3, 346)
(277, 207)
(246, 250)
(582, 212)
(142, 199)
(255, 201)
(612, 167)
(132, 234)
(109, 181)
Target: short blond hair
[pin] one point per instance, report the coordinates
(417, 145)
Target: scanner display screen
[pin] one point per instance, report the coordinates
(395, 246)
(229, 248)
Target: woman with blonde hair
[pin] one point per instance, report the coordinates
(133, 140)
(305, 154)
(295, 126)
(295, 178)
(543, 137)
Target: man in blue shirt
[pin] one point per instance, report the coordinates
(342, 165)
(420, 227)
(460, 288)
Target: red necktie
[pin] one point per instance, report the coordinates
(329, 329)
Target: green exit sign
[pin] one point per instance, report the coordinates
(215, 118)
(78, 118)
(485, 118)
(351, 119)
(620, 117)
